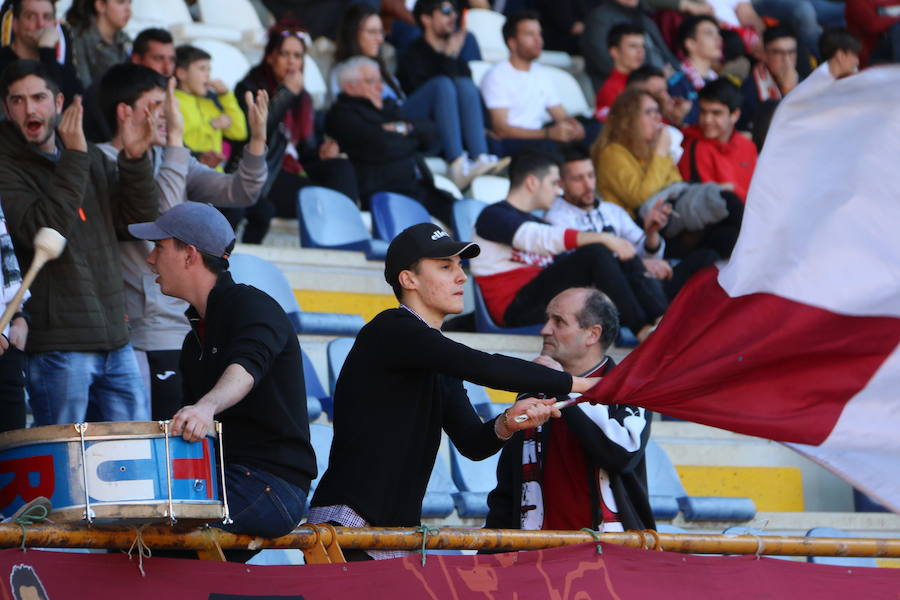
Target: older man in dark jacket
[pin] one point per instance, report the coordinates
(77, 351)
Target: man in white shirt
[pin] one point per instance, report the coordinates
(519, 93)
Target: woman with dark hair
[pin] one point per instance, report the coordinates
(457, 117)
(98, 40)
(295, 158)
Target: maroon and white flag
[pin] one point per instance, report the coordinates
(796, 338)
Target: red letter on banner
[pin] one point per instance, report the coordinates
(20, 485)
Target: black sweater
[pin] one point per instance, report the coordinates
(268, 429)
(421, 62)
(399, 387)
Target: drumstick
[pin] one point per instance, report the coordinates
(48, 244)
(560, 405)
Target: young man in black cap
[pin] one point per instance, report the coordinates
(241, 363)
(401, 384)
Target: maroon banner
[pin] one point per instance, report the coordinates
(573, 572)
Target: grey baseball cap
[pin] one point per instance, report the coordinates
(193, 223)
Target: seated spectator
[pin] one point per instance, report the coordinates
(210, 110)
(701, 43)
(36, 35)
(436, 98)
(78, 354)
(157, 324)
(674, 110)
(434, 60)
(713, 150)
(601, 20)
(562, 23)
(877, 29)
(801, 17)
(382, 143)
(524, 261)
(840, 49)
(295, 158)
(626, 47)
(635, 169)
(772, 77)
(581, 208)
(520, 95)
(99, 41)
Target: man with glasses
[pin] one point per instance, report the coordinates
(772, 77)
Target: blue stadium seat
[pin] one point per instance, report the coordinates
(329, 219)
(261, 274)
(842, 561)
(465, 213)
(392, 213)
(485, 324)
(338, 349)
(862, 503)
(475, 480)
(314, 389)
(666, 528)
(438, 501)
(481, 402)
(320, 436)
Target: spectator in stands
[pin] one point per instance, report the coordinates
(36, 36)
(586, 469)
(441, 100)
(12, 340)
(701, 43)
(626, 47)
(210, 110)
(401, 385)
(772, 77)
(635, 169)
(382, 143)
(674, 110)
(601, 20)
(157, 324)
(877, 27)
(434, 60)
(295, 157)
(525, 262)
(798, 15)
(840, 49)
(713, 150)
(78, 352)
(520, 95)
(562, 23)
(242, 366)
(99, 41)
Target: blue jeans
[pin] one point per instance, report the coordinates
(454, 105)
(63, 387)
(261, 503)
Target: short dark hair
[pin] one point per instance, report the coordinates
(24, 576)
(16, 6)
(688, 29)
(776, 33)
(643, 73)
(216, 264)
(395, 285)
(511, 27)
(529, 163)
(125, 83)
(615, 35)
(22, 68)
(723, 91)
(186, 55)
(426, 7)
(599, 310)
(153, 34)
(833, 39)
(573, 153)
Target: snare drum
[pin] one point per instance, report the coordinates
(113, 472)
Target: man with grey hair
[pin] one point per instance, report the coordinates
(382, 144)
(587, 468)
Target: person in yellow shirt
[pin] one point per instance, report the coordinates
(210, 110)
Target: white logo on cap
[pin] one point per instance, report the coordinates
(439, 234)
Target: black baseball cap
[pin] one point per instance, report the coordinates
(425, 240)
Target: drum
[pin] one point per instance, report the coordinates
(129, 471)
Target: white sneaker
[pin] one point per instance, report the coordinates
(496, 164)
(463, 171)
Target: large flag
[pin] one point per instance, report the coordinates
(796, 338)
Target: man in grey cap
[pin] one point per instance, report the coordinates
(241, 364)
(401, 385)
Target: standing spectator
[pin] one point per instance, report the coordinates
(210, 110)
(295, 158)
(434, 59)
(78, 352)
(563, 23)
(714, 150)
(626, 47)
(37, 36)
(99, 41)
(772, 77)
(840, 49)
(520, 95)
(12, 340)
(877, 28)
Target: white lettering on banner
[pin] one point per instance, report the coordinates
(111, 491)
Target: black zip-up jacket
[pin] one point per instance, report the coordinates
(421, 62)
(268, 429)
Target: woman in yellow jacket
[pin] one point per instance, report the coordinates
(211, 111)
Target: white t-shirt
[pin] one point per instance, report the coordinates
(526, 94)
(725, 11)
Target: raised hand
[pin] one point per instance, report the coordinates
(257, 118)
(657, 217)
(173, 116)
(70, 127)
(48, 36)
(137, 134)
(218, 86)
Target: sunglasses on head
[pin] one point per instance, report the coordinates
(447, 9)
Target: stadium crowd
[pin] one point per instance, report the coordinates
(608, 215)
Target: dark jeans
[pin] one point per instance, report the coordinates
(12, 389)
(165, 383)
(686, 267)
(638, 297)
(719, 237)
